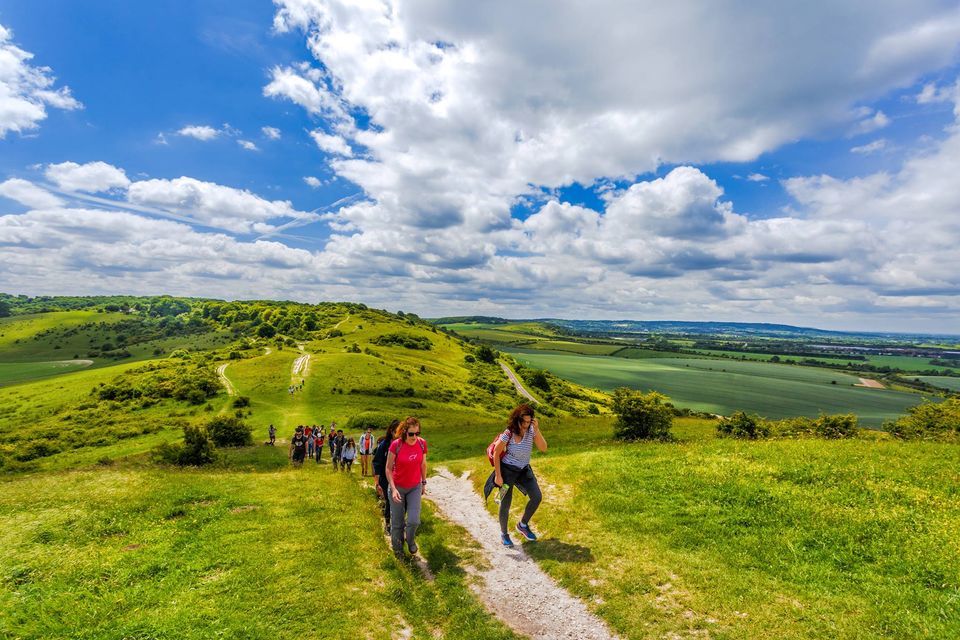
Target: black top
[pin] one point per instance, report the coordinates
(380, 457)
(299, 442)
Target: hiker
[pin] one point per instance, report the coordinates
(366, 450)
(318, 435)
(273, 435)
(348, 455)
(379, 474)
(406, 472)
(516, 444)
(338, 441)
(308, 432)
(298, 447)
(331, 437)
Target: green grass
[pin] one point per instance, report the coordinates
(720, 386)
(906, 363)
(944, 382)
(777, 539)
(21, 371)
(577, 347)
(153, 553)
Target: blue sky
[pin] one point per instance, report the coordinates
(706, 162)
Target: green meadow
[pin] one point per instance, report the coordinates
(21, 371)
(722, 387)
(700, 537)
(944, 382)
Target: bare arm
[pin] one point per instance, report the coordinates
(538, 437)
(391, 463)
(497, 452)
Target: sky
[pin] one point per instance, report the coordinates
(720, 161)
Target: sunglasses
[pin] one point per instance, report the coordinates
(412, 433)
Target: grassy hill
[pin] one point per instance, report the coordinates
(701, 537)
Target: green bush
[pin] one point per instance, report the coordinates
(641, 416)
(241, 401)
(486, 354)
(229, 431)
(834, 427)
(929, 421)
(405, 340)
(377, 421)
(538, 378)
(740, 425)
(197, 449)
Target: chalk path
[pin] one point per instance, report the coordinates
(222, 373)
(514, 588)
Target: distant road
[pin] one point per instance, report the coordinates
(516, 383)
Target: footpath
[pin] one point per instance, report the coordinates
(514, 587)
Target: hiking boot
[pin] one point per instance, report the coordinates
(524, 529)
(505, 539)
(413, 548)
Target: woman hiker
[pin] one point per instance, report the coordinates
(516, 444)
(407, 474)
(366, 450)
(379, 470)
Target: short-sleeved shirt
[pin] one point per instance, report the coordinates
(409, 460)
(518, 453)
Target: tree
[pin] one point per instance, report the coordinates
(229, 431)
(486, 354)
(4, 309)
(266, 331)
(641, 416)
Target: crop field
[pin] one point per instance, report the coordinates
(576, 347)
(906, 363)
(20, 371)
(722, 387)
(944, 382)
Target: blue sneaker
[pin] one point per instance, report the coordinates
(524, 529)
(505, 539)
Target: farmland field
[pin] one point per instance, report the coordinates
(20, 371)
(576, 347)
(944, 382)
(719, 386)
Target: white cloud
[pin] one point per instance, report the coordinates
(214, 205)
(331, 144)
(757, 177)
(29, 194)
(91, 177)
(249, 146)
(313, 181)
(870, 122)
(200, 132)
(26, 90)
(871, 147)
(271, 132)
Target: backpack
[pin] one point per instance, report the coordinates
(493, 445)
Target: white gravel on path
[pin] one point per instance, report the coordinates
(222, 372)
(515, 588)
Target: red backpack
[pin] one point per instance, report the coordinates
(493, 445)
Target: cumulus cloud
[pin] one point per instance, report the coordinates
(214, 205)
(91, 177)
(249, 146)
(28, 194)
(26, 90)
(757, 177)
(331, 144)
(200, 132)
(313, 181)
(271, 132)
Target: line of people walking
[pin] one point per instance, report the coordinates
(399, 470)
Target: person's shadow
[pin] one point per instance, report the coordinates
(553, 549)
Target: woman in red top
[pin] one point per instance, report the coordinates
(406, 472)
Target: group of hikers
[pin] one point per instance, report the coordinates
(308, 442)
(399, 469)
(295, 387)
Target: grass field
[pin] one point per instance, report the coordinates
(719, 386)
(11, 372)
(701, 537)
(779, 539)
(944, 382)
(153, 553)
(906, 363)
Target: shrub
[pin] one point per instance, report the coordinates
(593, 409)
(469, 358)
(740, 425)
(538, 378)
(641, 416)
(241, 401)
(377, 421)
(486, 354)
(929, 421)
(229, 431)
(405, 340)
(837, 426)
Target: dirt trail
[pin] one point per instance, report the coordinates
(870, 384)
(300, 365)
(222, 372)
(516, 383)
(514, 588)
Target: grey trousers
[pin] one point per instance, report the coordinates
(410, 505)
